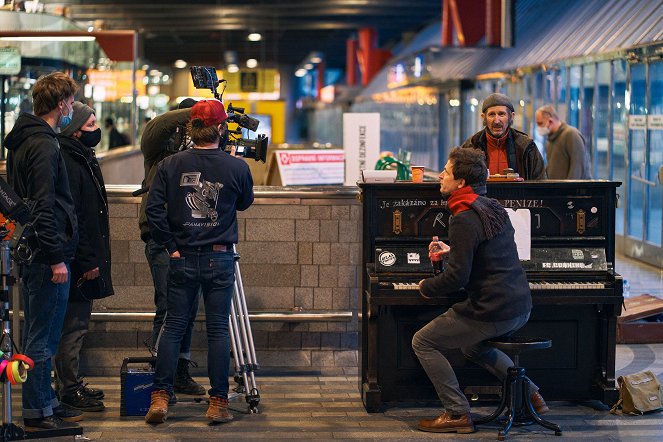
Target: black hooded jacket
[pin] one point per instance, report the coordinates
(37, 172)
(87, 189)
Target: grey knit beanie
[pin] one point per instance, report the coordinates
(496, 100)
(81, 114)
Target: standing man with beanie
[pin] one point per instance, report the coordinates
(164, 136)
(504, 146)
(482, 261)
(37, 172)
(567, 155)
(91, 268)
(192, 212)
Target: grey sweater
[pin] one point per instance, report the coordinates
(567, 155)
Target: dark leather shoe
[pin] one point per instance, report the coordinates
(94, 393)
(47, 423)
(445, 423)
(538, 403)
(67, 414)
(80, 401)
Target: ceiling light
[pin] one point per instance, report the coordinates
(308, 66)
(232, 68)
(255, 36)
(90, 28)
(300, 73)
(50, 38)
(180, 64)
(316, 59)
(251, 63)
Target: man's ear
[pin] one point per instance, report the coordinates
(462, 183)
(513, 115)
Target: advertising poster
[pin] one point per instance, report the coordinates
(310, 166)
(361, 143)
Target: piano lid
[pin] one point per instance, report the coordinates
(566, 259)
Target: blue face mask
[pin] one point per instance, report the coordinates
(66, 119)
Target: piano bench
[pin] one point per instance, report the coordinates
(516, 389)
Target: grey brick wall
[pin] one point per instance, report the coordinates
(297, 252)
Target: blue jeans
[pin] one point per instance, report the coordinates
(44, 305)
(158, 259)
(214, 274)
(453, 331)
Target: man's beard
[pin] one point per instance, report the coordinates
(505, 130)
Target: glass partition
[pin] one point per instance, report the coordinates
(575, 80)
(619, 119)
(636, 149)
(655, 133)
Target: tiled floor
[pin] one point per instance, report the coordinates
(315, 406)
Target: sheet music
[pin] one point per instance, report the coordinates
(522, 224)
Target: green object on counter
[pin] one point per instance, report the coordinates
(402, 165)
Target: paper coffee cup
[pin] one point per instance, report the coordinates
(417, 174)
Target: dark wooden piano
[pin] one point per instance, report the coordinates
(577, 294)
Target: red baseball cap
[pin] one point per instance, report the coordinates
(211, 112)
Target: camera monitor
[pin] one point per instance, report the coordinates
(204, 77)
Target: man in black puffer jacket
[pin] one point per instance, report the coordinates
(482, 260)
(36, 171)
(91, 270)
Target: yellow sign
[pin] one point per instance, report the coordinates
(113, 85)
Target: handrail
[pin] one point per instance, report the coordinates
(271, 316)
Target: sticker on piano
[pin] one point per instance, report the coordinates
(387, 259)
(413, 258)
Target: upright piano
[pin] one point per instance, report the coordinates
(576, 293)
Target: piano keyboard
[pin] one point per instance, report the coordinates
(566, 285)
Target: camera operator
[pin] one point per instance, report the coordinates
(164, 136)
(191, 210)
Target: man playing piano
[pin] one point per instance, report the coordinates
(482, 260)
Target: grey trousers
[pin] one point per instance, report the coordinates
(67, 357)
(453, 331)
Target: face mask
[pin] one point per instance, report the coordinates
(542, 130)
(90, 139)
(66, 119)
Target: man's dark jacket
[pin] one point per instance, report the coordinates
(522, 154)
(87, 189)
(487, 268)
(37, 172)
(158, 141)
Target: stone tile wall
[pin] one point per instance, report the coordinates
(297, 252)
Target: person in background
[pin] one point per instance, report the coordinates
(37, 172)
(164, 136)
(91, 267)
(192, 211)
(115, 137)
(567, 155)
(483, 261)
(504, 146)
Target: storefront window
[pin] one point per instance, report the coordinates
(575, 78)
(586, 110)
(619, 127)
(655, 131)
(602, 123)
(636, 154)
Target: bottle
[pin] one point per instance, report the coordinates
(627, 289)
(436, 258)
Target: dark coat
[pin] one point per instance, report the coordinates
(37, 172)
(488, 269)
(522, 154)
(87, 188)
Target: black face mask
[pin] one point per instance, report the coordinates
(90, 139)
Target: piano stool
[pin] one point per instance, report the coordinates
(515, 391)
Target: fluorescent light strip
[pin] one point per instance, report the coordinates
(49, 39)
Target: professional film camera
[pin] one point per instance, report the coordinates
(206, 78)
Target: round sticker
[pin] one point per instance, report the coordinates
(387, 259)
(594, 210)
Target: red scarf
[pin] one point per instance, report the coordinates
(461, 199)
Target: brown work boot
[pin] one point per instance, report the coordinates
(446, 423)
(538, 403)
(158, 411)
(218, 410)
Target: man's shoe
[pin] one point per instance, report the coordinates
(538, 403)
(80, 401)
(445, 423)
(218, 410)
(93, 393)
(184, 383)
(67, 413)
(158, 411)
(47, 423)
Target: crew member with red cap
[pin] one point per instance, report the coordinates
(191, 210)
